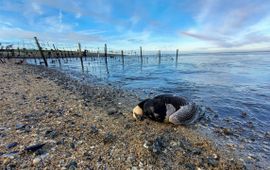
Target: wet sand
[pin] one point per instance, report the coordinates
(51, 121)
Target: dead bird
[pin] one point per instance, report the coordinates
(168, 108)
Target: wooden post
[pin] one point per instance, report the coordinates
(41, 52)
(141, 53)
(159, 57)
(106, 55)
(122, 55)
(19, 52)
(58, 57)
(176, 60)
(80, 51)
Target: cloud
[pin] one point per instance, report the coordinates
(248, 39)
(201, 37)
(19, 34)
(231, 23)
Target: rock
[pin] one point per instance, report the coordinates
(267, 134)
(94, 129)
(158, 145)
(212, 162)
(61, 142)
(51, 134)
(196, 151)
(23, 127)
(227, 131)
(11, 145)
(127, 126)
(72, 165)
(34, 148)
(10, 155)
(189, 166)
(78, 114)
(88, 156)
(109, 137)
(244, 114)
(72, 145)
(146, 144)
(215, 156)
(20, 126)
(134, 168)
(131, 158)
(141, 165)
(112, 111)
(10, 166)
(250, 125)
(36, 160)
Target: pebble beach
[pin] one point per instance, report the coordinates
(51, 121)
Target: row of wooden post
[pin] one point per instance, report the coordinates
(105, 54)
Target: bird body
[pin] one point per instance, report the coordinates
(167, 108)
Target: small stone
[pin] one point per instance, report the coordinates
(134, 168)
(94, 129)
(244, 114)
(127, 126)
(34, 148)
(109, 137)
(267, 135)
(20, 126)
(131, 159)
(72, 165)
(173, 143)
(215, 156)
(11, 166)
(211, 161)
(51, 134)
(87, 156)
(158, 145)
(250, 125)
(78, 114)
(196, 151)
(141, 165)
(146, 144)
(112, 111)
(36, 160)
(72, 145)
(11, 145)
(189, 166)
(227, 131)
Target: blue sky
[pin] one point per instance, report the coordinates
(190, 25)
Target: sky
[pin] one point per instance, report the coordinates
(189, 25)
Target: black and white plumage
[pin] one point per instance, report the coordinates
(168, 108)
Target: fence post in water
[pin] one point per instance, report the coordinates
(159, 57)
(80, 53)
(19, 52)
(122, 55)
(106, 61)
(141, 53)
(176, 55)
(41, 52)
(58, 57)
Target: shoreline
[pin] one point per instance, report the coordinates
(88, 126)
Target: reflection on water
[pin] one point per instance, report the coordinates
(229, 84)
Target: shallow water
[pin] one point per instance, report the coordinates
(228, 84)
